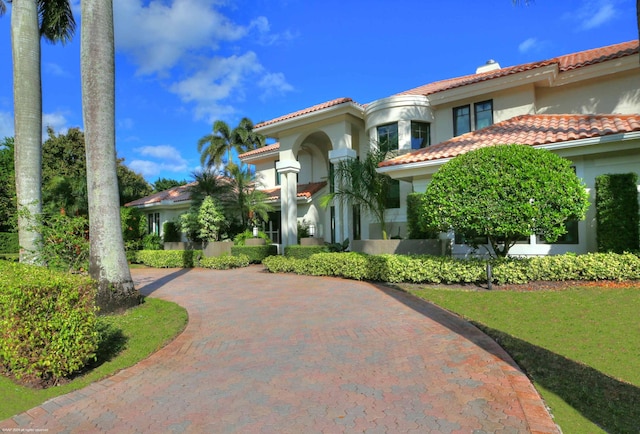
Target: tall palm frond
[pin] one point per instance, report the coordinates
(56, 20)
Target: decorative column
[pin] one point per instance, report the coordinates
(288, 171)
(342, 209)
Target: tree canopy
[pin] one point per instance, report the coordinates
(504, 193)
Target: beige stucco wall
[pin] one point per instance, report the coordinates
(619, 94)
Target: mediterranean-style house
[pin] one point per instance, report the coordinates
(584, 106)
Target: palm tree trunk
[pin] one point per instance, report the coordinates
(107, 261)
(27, 101)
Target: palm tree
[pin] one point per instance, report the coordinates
(223, 140)
(31, 19)
(107, 260)
(358, 183)
(247, 202)
(214, 146)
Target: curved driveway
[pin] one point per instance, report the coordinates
(278, 353)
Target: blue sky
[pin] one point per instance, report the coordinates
(182, 64)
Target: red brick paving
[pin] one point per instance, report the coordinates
(270, 353)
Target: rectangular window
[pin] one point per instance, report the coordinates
(275, 165)
(357, 233)
(420, 134)
(153, 223)
(332, 217)
(461, 120)
(570, 237)
(483, 112)
(388, 137)
(332, 181)
(393, 195)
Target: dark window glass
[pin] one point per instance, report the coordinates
(571, 237)
(333, 223)
(356, 223)
(461, 120)
(393, 195)
(420, 135)
(332, 181)
(483, 114)
(277, 173)
(388, 137)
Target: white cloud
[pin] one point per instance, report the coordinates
(167, 158)
(55, 69)
(527, 45)
(57, 121)
(274, 84)
(593, 14)
(6, 125)
(159, 35)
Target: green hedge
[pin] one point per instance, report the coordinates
(298, 251)
(225, 262)
(435, 269)
(617, 212)
(414, 228)
(255, 253)
(48, 325)
(168, 258)
(9, 242)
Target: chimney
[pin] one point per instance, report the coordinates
(491, 65)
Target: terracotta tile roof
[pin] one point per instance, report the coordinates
(302, 112)
(565, 63)
(175, 194)
(263, 150)
(526, 129)
(303, 190)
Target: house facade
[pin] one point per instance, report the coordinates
(584, 106)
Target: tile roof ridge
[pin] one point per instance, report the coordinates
(314, 108)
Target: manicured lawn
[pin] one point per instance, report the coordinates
(126, 339)
(580, 345)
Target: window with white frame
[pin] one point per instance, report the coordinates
(420, 134)
(388, 137)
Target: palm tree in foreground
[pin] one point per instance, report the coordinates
(107, 259)
(30, 20)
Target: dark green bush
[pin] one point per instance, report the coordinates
(241, 238)
(152, 242)
(415, 230)
(298, 251)
(64, 245)
(9, 242)
(436, 269)
(48, 327)
(171, 232)
(255, 253)
(168, 258)
(617, 212)
(225, 262)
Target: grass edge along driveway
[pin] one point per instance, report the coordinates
(579, 345)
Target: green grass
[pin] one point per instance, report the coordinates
(126, 339)
(581, 347)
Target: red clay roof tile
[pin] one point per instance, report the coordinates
(302, 112)
(303, 190)
(526, 129)
(261, 150)
(175, 194)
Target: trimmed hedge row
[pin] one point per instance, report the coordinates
(255, 253)
(435, 269)
(225, 262)
(617, 212)
(48, 324)
(302, 252)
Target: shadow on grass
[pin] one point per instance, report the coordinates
(112, 342)
(609, 403)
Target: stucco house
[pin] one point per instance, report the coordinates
(584, 106)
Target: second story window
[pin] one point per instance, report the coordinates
(483, 112)
(275, 166)
(420, 135)
(461, 120)
(388, 137)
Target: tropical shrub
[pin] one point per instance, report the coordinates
(617, 212)
(64, 245)
(503, 193)
(9, 242)
(170, 232)
(133, 227)
(242, 237)
(255, 253)
(298, 251)
(47, 322)
(168, 258)
(152, 242)
(415, 229)
(225, 262)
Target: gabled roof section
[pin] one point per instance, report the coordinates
(304, 191)
(315, 108)
(173, 195)
(526, 129)
(263, 150)
(565, 63)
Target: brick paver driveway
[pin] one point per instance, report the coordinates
(271, 353)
